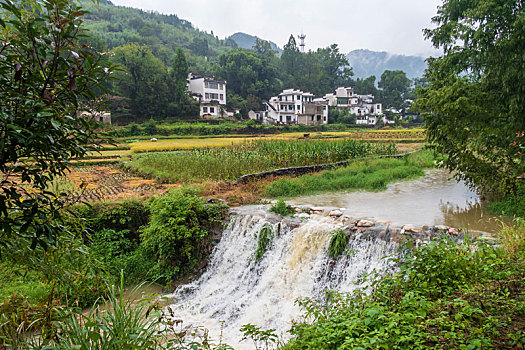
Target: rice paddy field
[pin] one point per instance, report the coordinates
(229, 163)
(178, 144)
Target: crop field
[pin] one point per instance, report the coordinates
(107, 183)
(229, 163)
(180, 144)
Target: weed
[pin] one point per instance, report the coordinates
(263, 240)
(281, 208)
(338, 243)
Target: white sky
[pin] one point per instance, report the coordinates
(380, 25)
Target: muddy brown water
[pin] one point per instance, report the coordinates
(435, 199)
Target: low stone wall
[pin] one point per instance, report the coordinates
(301, 170)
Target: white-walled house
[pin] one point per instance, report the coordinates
(210, 93)
(362, 106)
(296, 106)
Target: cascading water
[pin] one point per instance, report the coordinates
(236, 289)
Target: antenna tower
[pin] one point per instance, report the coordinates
(302, 44)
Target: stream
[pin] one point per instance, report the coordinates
(236, 289)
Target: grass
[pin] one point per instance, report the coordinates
(372, 175)
(229, 163)
(19, 280)
(338, 243)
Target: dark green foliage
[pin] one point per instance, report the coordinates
(248, 73)
(263, 240)
(144, 80)
(395, 87)
(46, 77)
(176, 239)
(473, 105)
(511, 205)
(128, 216)
(446, 295)
(338, 243)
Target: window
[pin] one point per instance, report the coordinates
(206, 85)
(212, 109)
(207, 96)
(221, 87)
(291, 107)
(298, 97)
(298, 107)
(214, 86)
(204, 109)
(101, 119)
(280, 118)
(221, 96)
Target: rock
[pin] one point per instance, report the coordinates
(365, 223)
(441, 228)
(303, 216)
(335, 213)
(454, 231)
(410, 228)
(345, 219)
(153, 139)
(317, 210)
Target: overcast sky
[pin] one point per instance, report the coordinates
(380, 25)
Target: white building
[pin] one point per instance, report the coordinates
(210, 93)
(296, 106)
(362, 106)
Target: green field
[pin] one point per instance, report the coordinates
(229, 163)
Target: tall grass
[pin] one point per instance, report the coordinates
(229, 163)
(370, 175)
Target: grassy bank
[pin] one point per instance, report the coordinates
(371, 175)
(229, 163)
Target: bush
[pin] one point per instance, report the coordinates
(176, 238)
(281, 208)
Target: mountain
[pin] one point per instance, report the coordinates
(246, 41)
(366, 63)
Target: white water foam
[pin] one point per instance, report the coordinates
(236, 290)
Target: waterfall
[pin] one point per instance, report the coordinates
(236, 289)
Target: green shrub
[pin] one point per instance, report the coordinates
(338, 243)
(176, 237)
(263, 240)
(445, 295)
(281, 208)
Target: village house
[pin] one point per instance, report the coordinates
(98, 116)
(362, 106)
(295, 107)
(210, 93)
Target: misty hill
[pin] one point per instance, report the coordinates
(366, 63)
(246, 41)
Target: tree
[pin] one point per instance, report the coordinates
(144, 80)
(366, 86)
(46, 77)
(395, 87)
(248, 73)
(181, 104)
(474, 104)
(335, 67)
